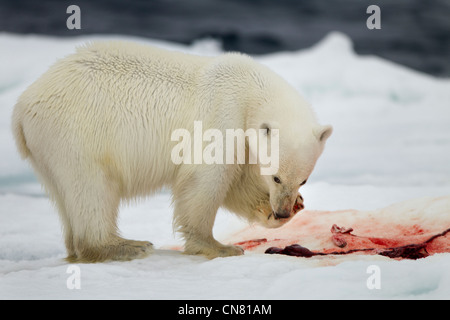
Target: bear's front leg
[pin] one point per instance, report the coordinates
(197, 199)
(210, 247)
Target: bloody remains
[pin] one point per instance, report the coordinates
(410, 251)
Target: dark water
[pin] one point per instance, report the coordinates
(415, 33)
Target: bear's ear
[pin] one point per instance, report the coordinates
(323, 132)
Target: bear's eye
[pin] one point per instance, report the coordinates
(303, 182)
(277, 180)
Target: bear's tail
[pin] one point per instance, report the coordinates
(18, 134)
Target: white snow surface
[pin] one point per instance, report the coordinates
(391, 143)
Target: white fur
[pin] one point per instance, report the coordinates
(96, 128)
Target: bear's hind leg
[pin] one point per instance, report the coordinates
(47, 178)
(92, 214)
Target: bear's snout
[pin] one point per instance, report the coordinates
(286, 213)
(286, 210)
(287, 207)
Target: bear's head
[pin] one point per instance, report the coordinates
(294, 141)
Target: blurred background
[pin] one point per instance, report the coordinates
(414, 33)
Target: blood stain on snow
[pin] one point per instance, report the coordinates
(248, 244)
(391, 249)
(370, 233)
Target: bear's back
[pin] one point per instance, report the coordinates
(138, 61)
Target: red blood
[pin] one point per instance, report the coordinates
(385, 242)
(339, 240)
(336, 229)
(298, 205)
(298, 251)
(273, 250)
(410, 251)
(248, 244)
(292, 250)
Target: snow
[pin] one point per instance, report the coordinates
(390, 144)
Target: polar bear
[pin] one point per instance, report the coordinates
(96, 128)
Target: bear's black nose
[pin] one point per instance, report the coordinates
(282, 214)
